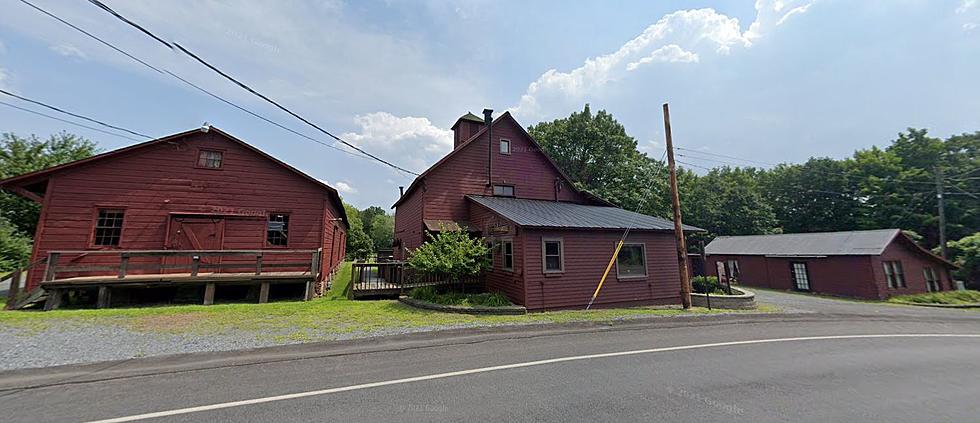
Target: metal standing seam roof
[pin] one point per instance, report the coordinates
(553, 214)
(848, 243)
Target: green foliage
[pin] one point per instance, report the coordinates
(451, 253)
(706, 284)
(359, 245)
(382, 231)
(431, 295)
(947, 297)
(729, 201)
(23, 155)
(367, 217)
(15, 247)
(966, 254)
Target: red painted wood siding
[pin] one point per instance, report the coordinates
(507, 282)
(848, 276)
(586, 255)
(408, 224)
(154, 182)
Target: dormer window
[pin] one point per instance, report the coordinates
(504, 146)
(209, 159)
(503, 190)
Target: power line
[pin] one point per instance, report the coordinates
(69, 122)
(728, 157)
(74, 114)
(242, 85)
(191, 84)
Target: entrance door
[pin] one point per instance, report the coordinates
(195, 233)
(801, 278)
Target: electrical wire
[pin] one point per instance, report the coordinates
(69, 122)
(177, 47)
(59, 110)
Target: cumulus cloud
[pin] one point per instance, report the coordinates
(414, 141)
(681, 36)
(671, 53)
(344, 187)
(68, 50)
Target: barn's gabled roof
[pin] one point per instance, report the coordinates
(506, 115)
(43, 174)
(846, 243)
(554, 214)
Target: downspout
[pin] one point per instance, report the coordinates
(488, 120)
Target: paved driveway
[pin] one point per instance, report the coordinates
(805, 303)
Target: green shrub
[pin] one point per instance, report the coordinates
(424, 293)
(494, 299)
(431, 294)
(948, 297)
(706, 284)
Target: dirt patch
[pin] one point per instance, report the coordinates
(178, 322)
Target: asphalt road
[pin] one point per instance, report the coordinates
(895, 379)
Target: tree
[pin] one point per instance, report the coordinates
(382, 231)
(15, 247)
(23, 155)
(451, 253)
(367, 217)
(358, 243)
(965, 253)
(728, 201)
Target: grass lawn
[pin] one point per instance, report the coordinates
(328, 317)
(947, 297)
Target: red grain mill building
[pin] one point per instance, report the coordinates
(120, 219)
(551, 242)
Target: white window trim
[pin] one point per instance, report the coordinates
(503, 255)
(510, 146)
(513, 190)
(561, 256)
(646, 265)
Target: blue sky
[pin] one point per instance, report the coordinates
(767, 80)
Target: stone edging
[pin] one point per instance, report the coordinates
(975, 305)
(743, 301)
(506, 310)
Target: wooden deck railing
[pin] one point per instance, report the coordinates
(122, 263)
(392, 278)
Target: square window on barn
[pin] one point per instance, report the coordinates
(503, 190)
(631, 262)
(894, 274)
(277, 229)
(108, 227)
(504, 146)
(507, 253)
(553, 260)
(209, 159)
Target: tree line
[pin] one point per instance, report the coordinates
(890, 187)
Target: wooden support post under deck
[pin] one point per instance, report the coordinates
(14, 290)
(264, 293)
(104, 296)
(209, 294)
(309, 291)
(51, 268)
(54, 300)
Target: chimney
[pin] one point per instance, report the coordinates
(465, 127)
(488, 121)
(401, 191)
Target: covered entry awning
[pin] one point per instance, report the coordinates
(437, 225)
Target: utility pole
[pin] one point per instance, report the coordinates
(942, 211)
(678, 226)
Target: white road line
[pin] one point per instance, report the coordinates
(263, 400)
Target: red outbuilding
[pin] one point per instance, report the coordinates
(200, 208)
(874, 264)
(551, 242)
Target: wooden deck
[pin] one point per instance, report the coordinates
(106, 270)
(391, 279)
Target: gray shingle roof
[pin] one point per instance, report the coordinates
(818, 244)
(553, 214)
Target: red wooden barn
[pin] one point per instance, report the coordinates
(132, 211)
(874, 264)
(551, 242)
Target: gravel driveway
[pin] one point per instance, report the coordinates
(805, 303)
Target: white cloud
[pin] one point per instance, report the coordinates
(966, 6)
(680, 36)
(344, 187)
(69, 50)
(671, 53)
(412, 140)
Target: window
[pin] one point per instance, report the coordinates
(733, 269)
(551, 251)
(894, 274)
(801, 278)
(108, 227)
(631, 262)
(504, 146)
(209, 159)
(277, 229)
(507, 252)
(932, 279)
(503, 190)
